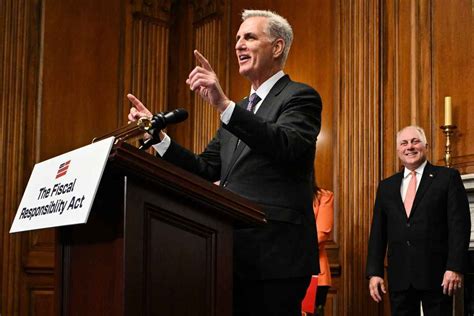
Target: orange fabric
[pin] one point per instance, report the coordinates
(310, 298)
(323, 207)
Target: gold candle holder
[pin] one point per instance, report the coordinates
(448, 130)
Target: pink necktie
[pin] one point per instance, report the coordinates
(411, 192)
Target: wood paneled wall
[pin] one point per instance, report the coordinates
(379, 65)
(22, 255)
(407, 72)
(149, 49)
(210, 38)
(61, 70)
(358, 140)
(452, 39)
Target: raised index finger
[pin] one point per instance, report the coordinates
(202, 60)
(137, 103)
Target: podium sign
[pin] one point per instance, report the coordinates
(61, 190)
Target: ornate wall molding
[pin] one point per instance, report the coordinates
(359, 140)
(205, 118)
(210, 34)
(156, 10)
(468, 180)
(406, 73)
(20, 27)
(149, 72)
(205, 9)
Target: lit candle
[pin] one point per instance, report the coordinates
(448, 120)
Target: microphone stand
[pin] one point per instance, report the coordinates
(133, 129)
(151, 125)
(154, 139)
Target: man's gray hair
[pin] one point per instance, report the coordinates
(278, 27)
(420, 131)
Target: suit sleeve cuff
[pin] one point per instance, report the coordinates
(227, 114)
(163, 146)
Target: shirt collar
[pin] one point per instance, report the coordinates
(265, 87)
(418, 170)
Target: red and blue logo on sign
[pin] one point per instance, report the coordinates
(63, 169)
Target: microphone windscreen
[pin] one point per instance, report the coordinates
(176, 116)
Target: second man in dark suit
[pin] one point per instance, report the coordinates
(421, 220)
(263, 151)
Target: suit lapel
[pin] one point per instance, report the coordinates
(397, 187)
(263, 111)
(235, 146)
(271, 99)
(429, 174)
(238, 151)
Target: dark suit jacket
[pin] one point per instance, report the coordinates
(435, 237)
(272, 165)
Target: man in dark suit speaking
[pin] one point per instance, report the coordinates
(263, 151)
(422, 215)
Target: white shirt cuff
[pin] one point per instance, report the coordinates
(227, 114)
(163, 146)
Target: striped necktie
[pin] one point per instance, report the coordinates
(253, 100)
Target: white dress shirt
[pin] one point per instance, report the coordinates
(262, 92)
(407, 177)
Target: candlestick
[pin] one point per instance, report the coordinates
(448, 119)
(448, 130)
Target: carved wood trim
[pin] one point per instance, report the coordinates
(465, 163)
(39, 296)
(156, 10)
(207, 9)
(359, 139)
(42, 300)
(162, 223)
(150, 62)
(208, 37)
(20, 27)
(407, 75)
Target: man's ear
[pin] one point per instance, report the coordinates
(278, 47)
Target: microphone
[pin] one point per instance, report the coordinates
(160, 121)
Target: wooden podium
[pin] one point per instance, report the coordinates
(158, 242)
